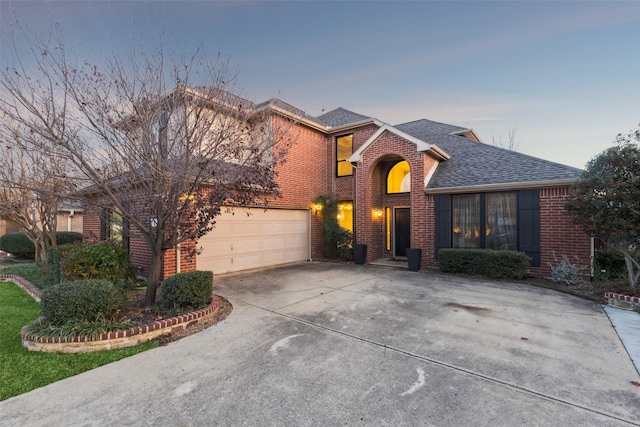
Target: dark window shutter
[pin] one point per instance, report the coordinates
(529, 224)
(125, 233)
(442, 222)
(104, 224)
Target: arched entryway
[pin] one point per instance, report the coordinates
(391, 197)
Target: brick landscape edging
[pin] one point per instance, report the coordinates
(623, 301)
(111, 340)
(26, 285)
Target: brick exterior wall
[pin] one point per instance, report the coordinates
(370, 179)
(559, 235)
(62, 224)
(310, 171)
(304, 176)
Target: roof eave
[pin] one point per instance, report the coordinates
(481, 188)
(296, 117)
(354, 125)
(437, 152)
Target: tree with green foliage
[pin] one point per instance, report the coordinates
(606, 200)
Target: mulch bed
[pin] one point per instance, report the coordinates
(593, 291)
(136, 312)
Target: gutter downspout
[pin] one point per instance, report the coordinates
(178, 258)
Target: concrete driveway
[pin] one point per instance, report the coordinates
(322, 344)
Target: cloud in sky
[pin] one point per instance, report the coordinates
(564, 74)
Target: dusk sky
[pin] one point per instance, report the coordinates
(564, 75)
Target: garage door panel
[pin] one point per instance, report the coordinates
(263, 238)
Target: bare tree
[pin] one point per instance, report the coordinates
(510, 143)
(32, 184)
(159, 141)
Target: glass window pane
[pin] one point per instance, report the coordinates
(115, 226)
(387, 217)
(466, 221)
(344, 150)
(399, 178)
(345, 215)
(501, 227)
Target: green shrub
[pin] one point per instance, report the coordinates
(495, 264)
(103, 260)
(86, 300)
(344, 244)
(31, 272)
(17, 244)
(565, 272)
(609, 264)
(190, 289)
(68, 237)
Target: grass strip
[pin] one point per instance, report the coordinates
(21, 370)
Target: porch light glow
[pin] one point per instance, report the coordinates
(377, 213)
(317, 207)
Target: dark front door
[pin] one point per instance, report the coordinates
(402, 231)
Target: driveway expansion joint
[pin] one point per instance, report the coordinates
(445, 365)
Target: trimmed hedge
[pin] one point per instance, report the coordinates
(85, 300)
(19, 245)
(191, 289)
(102, 260)
(494, 264)
(68, 237)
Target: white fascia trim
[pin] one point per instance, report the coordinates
(421, 146)
(430, 174)
(473, 132)
(354, 125)
(297, 118)
(529, 185)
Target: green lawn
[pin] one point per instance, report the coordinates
(22, 370)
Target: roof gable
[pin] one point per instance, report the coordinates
(340, 117)
(421, 145)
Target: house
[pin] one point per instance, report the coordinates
(69, 219)
(420, 184)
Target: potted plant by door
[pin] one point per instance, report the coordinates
(414, 258)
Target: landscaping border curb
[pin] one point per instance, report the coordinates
(625, 302)
(111, 340)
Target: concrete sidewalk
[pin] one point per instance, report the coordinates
(321, 344)
(627, 326)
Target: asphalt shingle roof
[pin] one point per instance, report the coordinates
(476, 163)
(275, 102)
(340, 117)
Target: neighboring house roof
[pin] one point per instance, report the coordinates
(340, 117)
(475, 165)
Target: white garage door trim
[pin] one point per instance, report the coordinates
(249, 238)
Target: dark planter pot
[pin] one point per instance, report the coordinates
(414, 257)
(359, 254)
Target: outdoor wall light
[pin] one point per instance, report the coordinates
(317, 207)
(377, 213)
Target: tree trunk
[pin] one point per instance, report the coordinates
(634, 274)
(155, 270)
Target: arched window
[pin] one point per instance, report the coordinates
(399, 178)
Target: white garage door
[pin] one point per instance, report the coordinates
(263, 238)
